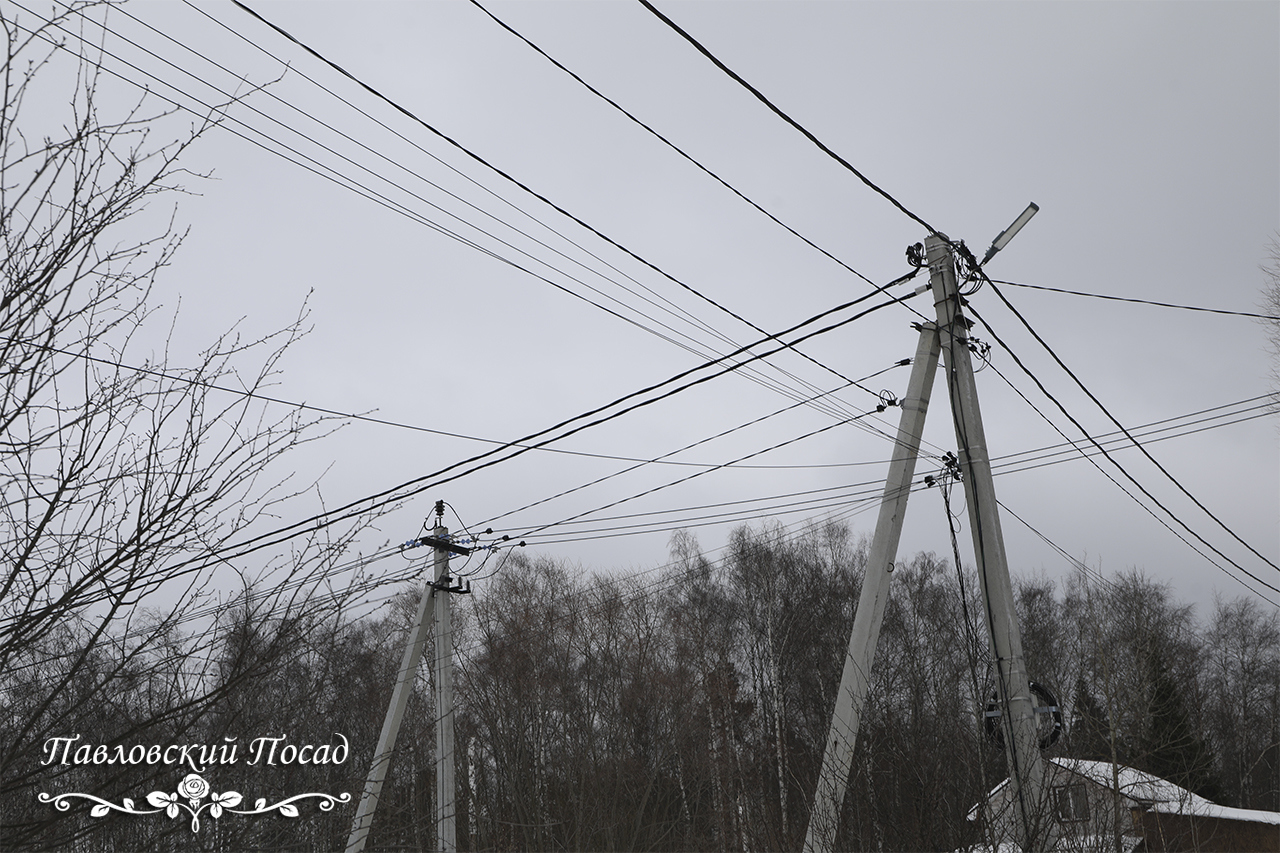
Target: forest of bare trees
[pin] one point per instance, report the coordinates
(686, 708)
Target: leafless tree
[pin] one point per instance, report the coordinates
(123, 479)
(1271, 303)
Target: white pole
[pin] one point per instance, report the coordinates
(395, 711)
(446, 827)
(852, 695)
(1022, 748)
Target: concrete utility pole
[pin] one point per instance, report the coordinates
(446, 827)
(852, 695)
(1026, 769)
(443, 671)
(1013, 687)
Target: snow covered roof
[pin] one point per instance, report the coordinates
(1152, 792)
(1161, 795)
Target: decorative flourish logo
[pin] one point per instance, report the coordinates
(190, 792)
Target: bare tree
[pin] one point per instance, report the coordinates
(1271, 303)
(120, 486)
(1242, 675)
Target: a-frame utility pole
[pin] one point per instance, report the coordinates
(950, 336)
(437, 592)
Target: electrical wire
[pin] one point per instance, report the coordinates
(850, 495)
(641, 591)
(397, 207)
(398, 164)
(478, 462)
(1093, 398)
(686, 479)
(354, 416)
(399, 493)
(1120, 467)
(786, 501)
(664, 457)
(785, 117)
(677, 149)
(593, 303)
(523, 186)
(755, 376)
(1138, 301)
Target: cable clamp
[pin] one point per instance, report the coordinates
(915, 256)
(445, 584)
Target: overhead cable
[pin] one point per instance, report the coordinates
(1120, 467)
(516, 448)
(349, 183)
(821, 498)
(523, 186)
(785, 117)
(1138, 301)
(677, 149)
(664, 457)
(1122, 428)
(694, 475)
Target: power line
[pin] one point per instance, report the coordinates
(398, 186)
(1013, 465)
(686, 479)
(645, 590)
(850, 508)
(1121, 427)
(783, 115)
(667, 141)
(306, 407)
(857, 499)
(417, 485)
(1121, 468)
(1126, 443)
(836, 411)
(366, 192)
(664, 456)
(1138, 301)
(526, 188)
(686, 315)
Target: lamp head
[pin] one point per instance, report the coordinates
(1003, 238)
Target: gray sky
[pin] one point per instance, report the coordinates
(1148, 134)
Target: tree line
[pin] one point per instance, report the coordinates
(687, 708)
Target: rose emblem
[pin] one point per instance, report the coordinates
(193, 788)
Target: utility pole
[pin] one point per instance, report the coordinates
(1013, 687)
(443, 671)
(1026, 769)
(852, 696)
(446, 812)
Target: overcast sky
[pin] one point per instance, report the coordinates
(1148, 134)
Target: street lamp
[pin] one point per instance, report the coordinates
(1007, 234)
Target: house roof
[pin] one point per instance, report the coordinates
(1150, 792)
